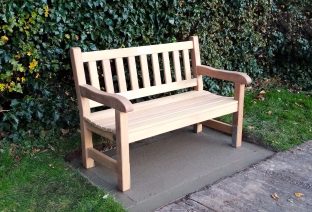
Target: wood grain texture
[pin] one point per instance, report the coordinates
(156, 71)
(219, 126)
(108, 79)
(102, 159)
(186, 63)
(134, 94)
(111, 100)
(133, 73)
(233, 76)
(134, 51)
(167, 69)
(177, 66)
(121, 75)
(123, 157)
(145, 72)
(237, 129)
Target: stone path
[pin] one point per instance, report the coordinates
(268, 186)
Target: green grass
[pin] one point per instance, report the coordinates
(280, 121)
(42, 181)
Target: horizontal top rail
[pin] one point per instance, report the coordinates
(135, 51)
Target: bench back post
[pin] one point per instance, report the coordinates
(195, 55)
(80, 79)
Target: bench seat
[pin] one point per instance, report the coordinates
(165, 114)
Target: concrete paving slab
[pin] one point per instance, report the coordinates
(169, 166)
(283, 175)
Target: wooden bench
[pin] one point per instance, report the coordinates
(143, 72)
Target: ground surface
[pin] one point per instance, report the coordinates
(281, 183)
(169, 166)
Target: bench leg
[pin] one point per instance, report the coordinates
(123, 159)
(86, 142)
(237, 129)
(198, 128)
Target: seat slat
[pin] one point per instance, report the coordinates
(145, 72)
(133, 73)
(192, 117)
(177, 66)
(153, 103)
(156, 72)
(167, 70)
(108, 80)
(135, 51)
(156, 113)
(186, 63)
(121, 75)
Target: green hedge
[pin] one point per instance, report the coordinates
(35, 36)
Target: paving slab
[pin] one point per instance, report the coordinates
(169, 166)
(253, 189)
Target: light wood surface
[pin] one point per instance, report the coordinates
(126, 122)
(108, 79)
(165, 114)
(111, 100)
(219, 126)
(134, 51)
(145, 72)
(102, 159)
(167, 69)
(134, 94)
(123, 158)
(186, 62)
(237, 129)
(121, 75)
(133, 73)
(177, 66)
(156, 72)
(232, 76)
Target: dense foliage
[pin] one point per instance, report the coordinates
(259, 37)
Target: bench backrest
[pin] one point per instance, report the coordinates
(139, 71)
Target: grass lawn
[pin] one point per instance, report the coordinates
(42, 181)
(277, 118)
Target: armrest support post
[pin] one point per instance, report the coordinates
(237, 127)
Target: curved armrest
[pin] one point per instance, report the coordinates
(233, 76)
(115, 101)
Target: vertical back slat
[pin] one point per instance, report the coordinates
(108, 80)
(94, 76)
(186, 63)
(167, 67)
(133, 73)
(121, 75)
(177, 66)
(145, 72)
(156, 71)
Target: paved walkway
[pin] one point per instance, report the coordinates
(281, 183)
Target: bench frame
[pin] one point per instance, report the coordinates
(123, 106)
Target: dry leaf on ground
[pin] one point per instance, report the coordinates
(298, 194)
(275, 196)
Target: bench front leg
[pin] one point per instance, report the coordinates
(123, 158)
(86, 143)
(237, 127)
